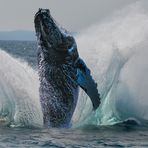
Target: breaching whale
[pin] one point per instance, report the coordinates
(61, 72)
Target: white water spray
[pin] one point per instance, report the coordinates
(116, 52)
(19, 96)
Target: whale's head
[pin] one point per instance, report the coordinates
(53, 38)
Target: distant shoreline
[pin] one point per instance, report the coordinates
(19, 35)
(17, 40)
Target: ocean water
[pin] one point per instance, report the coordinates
(116, 51)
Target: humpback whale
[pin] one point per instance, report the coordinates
(61, 72)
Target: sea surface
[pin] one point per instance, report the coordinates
(116, 51)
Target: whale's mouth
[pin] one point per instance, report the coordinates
(49, 33)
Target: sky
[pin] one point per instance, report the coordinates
(74, 15)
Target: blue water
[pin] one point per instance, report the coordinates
(118, 136)
(25, 50)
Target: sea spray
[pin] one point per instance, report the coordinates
(19, 92)
(123, 87)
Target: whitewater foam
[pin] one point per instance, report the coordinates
(19, 95)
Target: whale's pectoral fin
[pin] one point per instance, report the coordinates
(86, 82)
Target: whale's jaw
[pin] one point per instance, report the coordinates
(47, 29)
(58, 44)
(49, 33)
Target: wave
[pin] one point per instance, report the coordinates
(19, 96)
(115, 50)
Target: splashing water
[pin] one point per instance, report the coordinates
(116, 52)
(19, 94)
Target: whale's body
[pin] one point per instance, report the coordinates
(61, 72)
